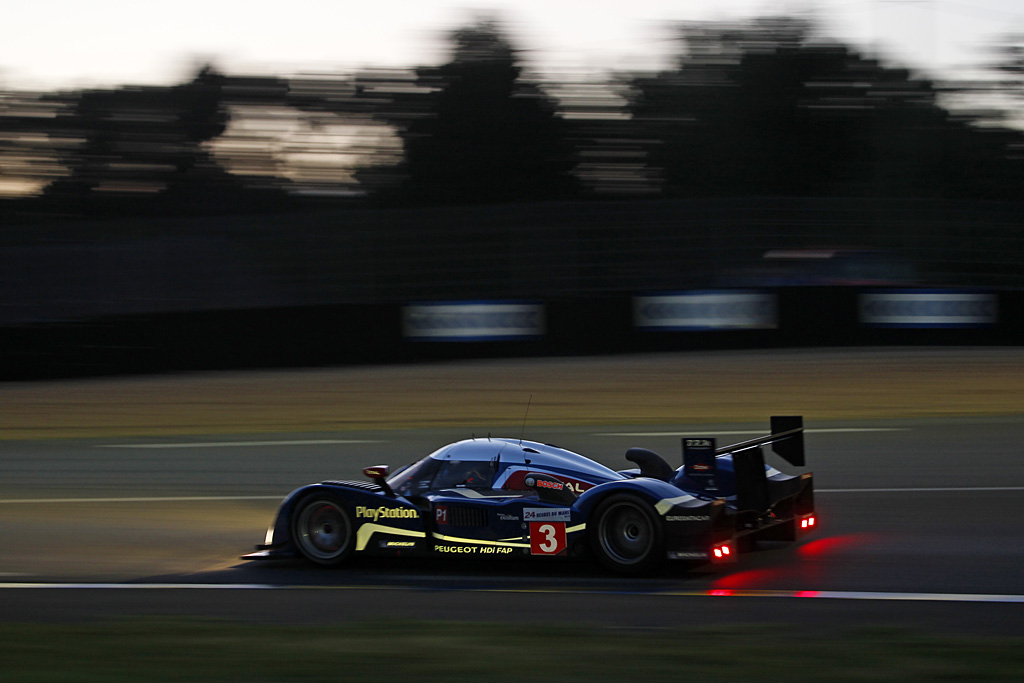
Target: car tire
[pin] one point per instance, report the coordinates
(323, 530)
(625, 536)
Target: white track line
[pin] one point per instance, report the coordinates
(240, 444)
(152, 499)
(870, 595)
(712, 593)
(758, 432)
(953, 489)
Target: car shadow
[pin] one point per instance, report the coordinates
(484, 575)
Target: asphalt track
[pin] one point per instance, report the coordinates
(922, 526)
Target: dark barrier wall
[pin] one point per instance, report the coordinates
(85, 270)
(356, 334)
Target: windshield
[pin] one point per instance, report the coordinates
(416, 478)
(430, 474)
(472, 474)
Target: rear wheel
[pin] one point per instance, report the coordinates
(625, 536)
(323, 530)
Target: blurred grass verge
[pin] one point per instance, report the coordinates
(684, 387)
(202, 650)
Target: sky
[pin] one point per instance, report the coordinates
(57, 44)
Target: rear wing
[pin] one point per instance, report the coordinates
(751, 487)
(786, 439)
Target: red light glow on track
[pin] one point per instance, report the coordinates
(808, 566)
(833, 545)
(751, 579)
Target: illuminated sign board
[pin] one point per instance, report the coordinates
(931, 308)
(472, 321)
(706, 310)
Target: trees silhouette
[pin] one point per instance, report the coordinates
(135, 147)
(761, 110)
(484, 135)
(752, 109)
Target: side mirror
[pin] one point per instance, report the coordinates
(379, 475)
(377, 472)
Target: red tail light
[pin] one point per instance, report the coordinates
(807, 523)
(721, 551)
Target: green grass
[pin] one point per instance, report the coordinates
(203, 650)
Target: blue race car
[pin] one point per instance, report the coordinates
(496, 498)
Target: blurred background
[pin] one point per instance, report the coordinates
(219, 188)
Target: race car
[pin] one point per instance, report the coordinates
(493, 498)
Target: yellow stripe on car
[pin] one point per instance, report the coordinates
(369, 529)
(666, 504)
(510, 543)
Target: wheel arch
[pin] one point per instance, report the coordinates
(283, 537)
(651, 491)
(323, 526)
(626, 534)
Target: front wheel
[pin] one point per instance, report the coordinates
(625, 536)
(323, 530)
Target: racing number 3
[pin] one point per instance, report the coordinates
(547, 538)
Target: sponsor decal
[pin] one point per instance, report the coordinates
(938, 308)
(507, 518)
(706, 310)
(545, 514)
(472, 549)
(515, 482)
(441, 514)
(368, 529)
(398, 544)
(472, 321)
(547, 538)
(553, 485)
(699, 462)
(687, 518)
(686, 555)
(378, 513)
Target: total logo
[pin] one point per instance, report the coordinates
(577, 487)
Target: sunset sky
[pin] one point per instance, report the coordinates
(48, 44)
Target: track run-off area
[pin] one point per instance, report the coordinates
(138, 495)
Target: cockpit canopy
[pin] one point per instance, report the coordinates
(487, 463)
(430, 474)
